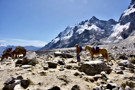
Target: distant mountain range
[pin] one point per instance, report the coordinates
(28, 48)
(96, 32)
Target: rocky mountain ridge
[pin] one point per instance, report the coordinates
(96, 32)
(88, 31)
(126, 25)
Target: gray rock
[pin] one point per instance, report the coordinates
(42, 73)
(31, 55)
(64, 55)
(55, 88)
(9, 86)
(126, 63)
(26, 66)
(132, 77)
(19, 78)
(46, 67)
(94, 67)
(119, 72)
(10, 81)
(61, 62)
(18, 87)
(124, 57)
(97, 88)
(75, 87)
(25, 83)
(68, 66)
(127, 88)
(112, 86)
(120, 68)
(61, 68)
(52, 64)
(30, 59)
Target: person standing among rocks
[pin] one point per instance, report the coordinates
(78, 50)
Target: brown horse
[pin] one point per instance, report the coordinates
(100, 51)
(6, 53)
(19, 50)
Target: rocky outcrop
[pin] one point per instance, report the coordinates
(94, 67)
(126, 25)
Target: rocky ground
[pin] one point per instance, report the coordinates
(59, 70)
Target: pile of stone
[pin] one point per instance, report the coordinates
(16, 83)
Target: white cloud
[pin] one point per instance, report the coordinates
(1, 41)
(22, 42)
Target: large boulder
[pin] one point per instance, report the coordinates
(64, 55)
(94, 67)
(52, 64)
(55, 88)
(126, 63)
(75, 87)
(31, 55)
(29, 59)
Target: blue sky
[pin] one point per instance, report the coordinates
(37, 22)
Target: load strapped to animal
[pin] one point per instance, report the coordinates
(95, 50)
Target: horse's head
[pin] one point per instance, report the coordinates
(86, 47)
(10, 49)
(76, 45)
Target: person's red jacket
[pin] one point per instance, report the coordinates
(77, 49)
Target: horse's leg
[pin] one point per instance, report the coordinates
(6, 56)
(92, 57)
(15, 55)
(105, 56)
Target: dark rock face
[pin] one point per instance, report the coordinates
(128, 17)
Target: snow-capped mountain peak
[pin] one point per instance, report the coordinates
(66, 34)
(86, 27)
(129, 11)
(125, 26)
(85, 31)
